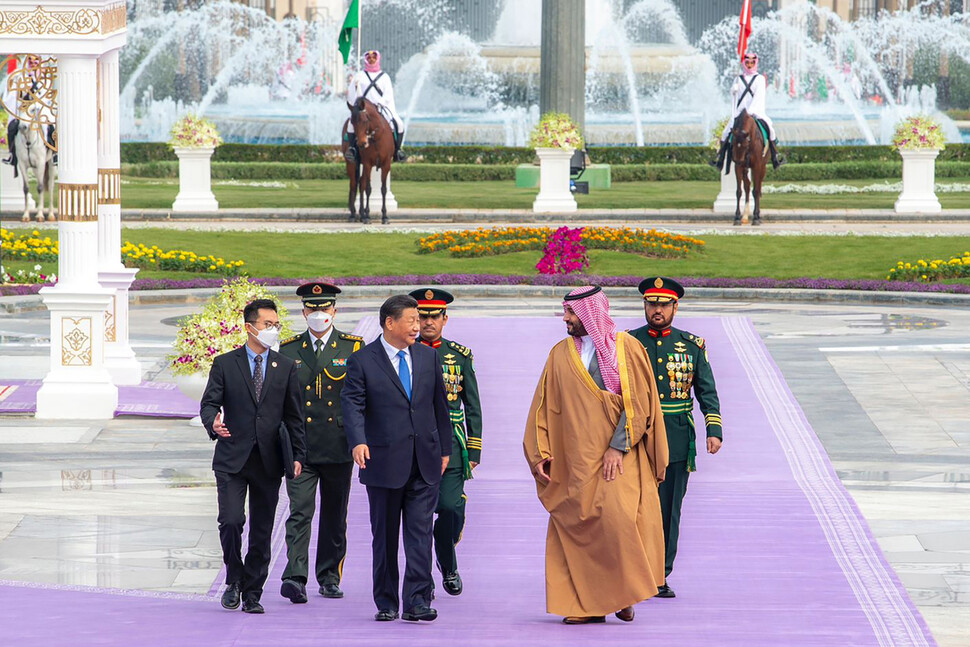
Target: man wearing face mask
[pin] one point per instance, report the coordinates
(251, 392)
(321, 355)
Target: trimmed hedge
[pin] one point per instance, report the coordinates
(506, 172)
(143, 152)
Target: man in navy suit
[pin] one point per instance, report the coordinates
(397, 424)
(257, 389)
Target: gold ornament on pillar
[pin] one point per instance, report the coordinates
(34, 86)
(76, 341)
(78, 202)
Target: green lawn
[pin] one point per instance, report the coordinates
(159, 194)
(308, 255)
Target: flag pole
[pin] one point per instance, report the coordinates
(359, 32)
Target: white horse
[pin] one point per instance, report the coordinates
(34, 155)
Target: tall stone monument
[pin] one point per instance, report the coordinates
(562, 70)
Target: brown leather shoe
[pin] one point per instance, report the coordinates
(583, 620)
(625, 614)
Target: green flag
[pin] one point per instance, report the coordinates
(347, 31)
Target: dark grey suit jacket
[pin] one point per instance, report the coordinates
(377, 413)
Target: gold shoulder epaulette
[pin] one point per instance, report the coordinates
(347, 335)
(290, 339)
(694, 338)
(467, 352)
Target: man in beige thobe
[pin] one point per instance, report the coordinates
(597, 446)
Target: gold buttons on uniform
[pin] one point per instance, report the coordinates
(660, 377)
(309, 419)
(329, 387)
(329, 419)
(329, 404)
(307, 387)
(660, 360)
(661, 396)
(308, 403)
(659, 343)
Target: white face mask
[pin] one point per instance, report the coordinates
(267, 337)
(319, 321)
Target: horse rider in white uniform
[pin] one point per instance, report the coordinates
(375, 86)
(749, 92)
(15, 101)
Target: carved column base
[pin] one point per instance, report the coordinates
(78, 386)
(119, 358)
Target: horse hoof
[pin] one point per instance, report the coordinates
(737, 222)
(756, 222)
(385, 220)
(365, 221)
(351, 218)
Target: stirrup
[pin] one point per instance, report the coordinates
(351, 154)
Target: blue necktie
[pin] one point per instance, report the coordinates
(402, 371)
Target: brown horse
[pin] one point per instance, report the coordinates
(375, 144)
(748, 154)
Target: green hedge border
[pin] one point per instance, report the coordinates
(416, 172)
(140, 152)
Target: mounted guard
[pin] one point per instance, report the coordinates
(374, 85)
(749, 93)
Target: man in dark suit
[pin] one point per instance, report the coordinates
(257, 390)
(397, 424)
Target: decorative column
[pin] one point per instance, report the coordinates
(119, 358)
(562, 64)
(78, 385)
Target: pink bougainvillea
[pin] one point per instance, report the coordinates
(565, 253)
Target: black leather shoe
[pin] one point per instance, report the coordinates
(452, 583)
(626, 614)
(230, 599)
(252, 606)
(385, 615)
(666, 592)
(583, 620)
(294, 591)
(420, 612)
(331, 591)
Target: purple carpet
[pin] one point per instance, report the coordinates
(773, 549)
(155, 399)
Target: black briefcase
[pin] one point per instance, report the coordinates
(287, 449)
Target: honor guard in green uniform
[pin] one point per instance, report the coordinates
(680, 365)
(466, 416)
(321, 360)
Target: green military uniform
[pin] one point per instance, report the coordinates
(321, 365)
(466, 416)
(680, 364)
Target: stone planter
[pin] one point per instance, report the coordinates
(195, 181)
(193, 387)
(554, 194)
(727, 199)
(919, 182)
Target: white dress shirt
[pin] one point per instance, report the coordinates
(395, 360)
(588, 350)
(324, 339)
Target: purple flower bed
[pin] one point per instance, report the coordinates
(548, 279)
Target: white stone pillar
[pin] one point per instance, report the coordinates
(119, 358)
(78, 385)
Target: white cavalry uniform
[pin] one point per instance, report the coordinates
(377, 89)
(748, 93)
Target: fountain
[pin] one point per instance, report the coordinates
(261, 80)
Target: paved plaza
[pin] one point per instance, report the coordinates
(128, 506)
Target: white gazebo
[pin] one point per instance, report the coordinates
(90, 354)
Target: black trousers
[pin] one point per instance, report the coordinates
(672, 492)
(333, 481)
(264, 494)
(414, 504)
(451, 512)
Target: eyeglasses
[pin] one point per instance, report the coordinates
(267, 326)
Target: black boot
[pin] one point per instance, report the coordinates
(352, 155)
(399, 155)
(776, 160)
(719, 162)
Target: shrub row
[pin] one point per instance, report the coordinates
(506, 172)
(142, 152)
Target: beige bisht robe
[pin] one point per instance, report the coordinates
(605, 543)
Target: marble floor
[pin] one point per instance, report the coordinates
(130, 503)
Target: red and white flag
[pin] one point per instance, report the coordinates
(745, 27)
